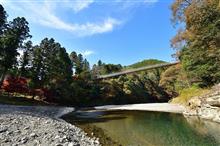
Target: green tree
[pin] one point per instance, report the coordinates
(25, 60)
(12, 38)
(79, 64)
(174, 79)
(110, 68)
(94, 71)
(37, 68)
(51, 68)
(100, 63)
(73, 58)
(3, 19)
(86, 66)
(198, 43)
(85, 74)
(102, 68)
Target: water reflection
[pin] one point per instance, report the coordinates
(205, 127)
(134, 128)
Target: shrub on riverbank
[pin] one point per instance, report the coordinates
(186, 94)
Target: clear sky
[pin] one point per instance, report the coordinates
(115, 31)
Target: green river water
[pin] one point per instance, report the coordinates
(136, 128)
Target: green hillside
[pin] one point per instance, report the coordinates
(145, 63)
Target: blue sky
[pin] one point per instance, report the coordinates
(115, 31)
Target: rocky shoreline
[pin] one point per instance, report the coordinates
(206, 106)
(35, 126)
(42, 125)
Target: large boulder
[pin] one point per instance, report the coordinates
(206, 106)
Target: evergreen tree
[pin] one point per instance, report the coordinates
(51, 64)
(3, 19)
(86, 66)
(25, 59)
(73, 58)
(11, 39)
(100, 63)
(79, 64)
(37, 68)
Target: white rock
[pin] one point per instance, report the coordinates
(3, 129)
(71, 144)
(33, 135)
(24, 140)
(57, 136)
(26, 128)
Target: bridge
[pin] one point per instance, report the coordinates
(130, 71)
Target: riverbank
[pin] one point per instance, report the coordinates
(158, 107)
(206, 106)
(40, 125)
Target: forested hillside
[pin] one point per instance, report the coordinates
(48, 72)
(145, 63)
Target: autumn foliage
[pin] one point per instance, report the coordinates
(15, 84)
(198, 39)
(20, 85)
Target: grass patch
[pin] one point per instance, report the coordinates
(20, 100)
(186, 94)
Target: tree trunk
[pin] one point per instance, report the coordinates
(3, 77)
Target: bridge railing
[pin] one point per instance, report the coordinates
(130, 71)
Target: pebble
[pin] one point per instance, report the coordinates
(3, 130)
(37, 142)
(24, 140)
(29, 129)
(9, 132)
(33, 135)
(71, 144)
(25, 128)
(17, 131)
(6, 140)
(57, 137)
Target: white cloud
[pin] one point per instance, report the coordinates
(44, 12)
(78, 5)
(87, 53)
(2, 2)
(79, 29)
(127, 4)
(86, 29)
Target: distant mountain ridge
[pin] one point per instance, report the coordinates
(145, 62)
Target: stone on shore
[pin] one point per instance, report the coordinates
(206, 106)
(27, 126)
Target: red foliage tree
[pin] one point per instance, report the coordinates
(20, 85)
(15, 84)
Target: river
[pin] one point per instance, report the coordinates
(140, 128)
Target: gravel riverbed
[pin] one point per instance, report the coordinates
(40, 126)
